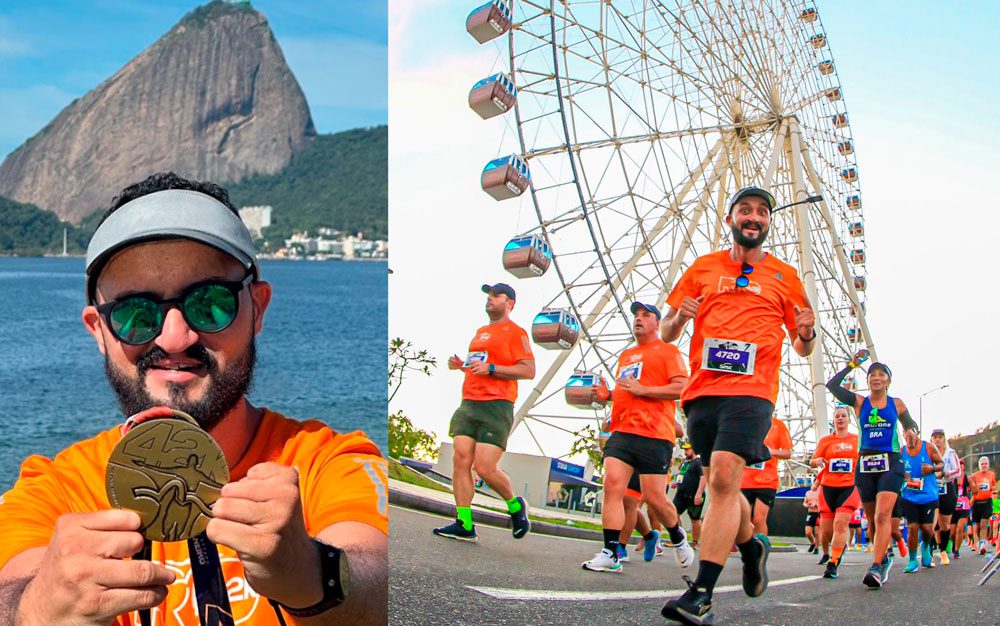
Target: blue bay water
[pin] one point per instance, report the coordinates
(321, 353)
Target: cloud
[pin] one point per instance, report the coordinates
(340, 71)
(12, 44)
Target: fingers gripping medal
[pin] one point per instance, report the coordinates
(170, 471)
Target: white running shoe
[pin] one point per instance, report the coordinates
(603, 561)
(684, 554)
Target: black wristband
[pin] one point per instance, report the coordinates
(804, 340)
(335, 578)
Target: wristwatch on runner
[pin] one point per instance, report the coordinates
(336, 581)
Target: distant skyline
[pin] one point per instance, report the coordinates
(54, 52)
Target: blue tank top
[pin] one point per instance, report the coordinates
(928, 491)
(878, 427)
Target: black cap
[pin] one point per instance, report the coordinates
(880, 366)
(753, 191)
(499, 288)
(649, 307)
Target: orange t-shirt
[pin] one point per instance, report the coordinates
(503, 343)
(765, 475)
(841, 454)
(754, 314)
(978, 481)
(341, 478)
(653, 365)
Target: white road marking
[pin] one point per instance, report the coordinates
(583, 596)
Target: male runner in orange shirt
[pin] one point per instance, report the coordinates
(742, 301)
(499, 356)
(649, 379)
(760, 480)
(983, 484)
(174, 302)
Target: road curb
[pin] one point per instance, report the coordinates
(410, 500)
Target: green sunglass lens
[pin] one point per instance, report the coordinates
(136, 320)
(210, 308)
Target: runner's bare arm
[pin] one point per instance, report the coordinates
(671, 391)
(367, 551)
(678, 427)
(455, 362)
(935, 455)
(804, 340)
(673, 322)
(781, 453)
(523, 369)
(14, 578)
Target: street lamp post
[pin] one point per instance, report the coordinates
(922, 405)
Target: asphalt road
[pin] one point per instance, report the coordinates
(538, 580)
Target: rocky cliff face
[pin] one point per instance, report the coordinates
(213, 99)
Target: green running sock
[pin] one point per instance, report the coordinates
(513, 505)
(465, 516)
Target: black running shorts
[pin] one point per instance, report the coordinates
(981, 510)
(918, 513)
(948, 500)
(644, 454)
(736, 424)
(870, 484)
(811, 519)
(685, 502)
(765, 496)
(959, 515)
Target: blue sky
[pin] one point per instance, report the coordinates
(921, 82)
(53, 52)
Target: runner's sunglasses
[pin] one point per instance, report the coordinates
(743, 279)
(208, 307)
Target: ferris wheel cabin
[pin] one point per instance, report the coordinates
(839, 120)
(527, 257)
(506, 177)
(808, 15)
(849, 174)
(860, 283)
(587, 390)
(555, 329)
(845, 148)
(825, 67)
(858, 256)
(833, 94)
(489, 21)
(492, 96)
(854, 202)
(818, 41)
(853, 334)
(857, 229)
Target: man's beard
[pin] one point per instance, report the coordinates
(742, 240)
(225, 388)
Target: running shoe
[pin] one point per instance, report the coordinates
(873, 579)
(649, 549)
(956, 554)
(456, 530)
(886, 566)
(831, 570)
(989, 561)
(902, 548)
(693, 607)
(982, 546)
(684, 553)
(944, 559)
(622, 554)
(668, 543)
(603, 561)
(926, 560)
(519, 521)
(812, 549)
(911, 567)
(755, 570)
(823, 559)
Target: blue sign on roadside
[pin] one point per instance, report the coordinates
(568, 468)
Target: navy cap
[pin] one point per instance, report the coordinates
(649, 307)
(753, 191)
(500, 288)
(880, 366)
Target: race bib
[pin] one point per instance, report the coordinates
(631, 371)
(984, 487)
(841, 466)
(915, 484)
(756, 466)
(475, 357)
(873, 463)
(963, 504)
(942, 489)
(729, 356)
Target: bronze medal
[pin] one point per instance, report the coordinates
(170, 472)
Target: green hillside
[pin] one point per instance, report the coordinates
(338, 181)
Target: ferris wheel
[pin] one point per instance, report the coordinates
(635, 121)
